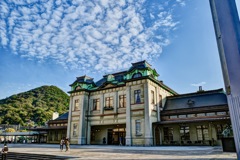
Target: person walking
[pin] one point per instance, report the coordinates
(61, 144)
(67, 144)
(120, 141)
(4, 152)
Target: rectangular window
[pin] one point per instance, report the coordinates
(74, 130)
(56, 136)
(202, 132)
(160, 102)
(173, 117)
(211, 114)
(96, 104)
(122, 101)
(50, 136)
(201, 115)
(137, 98)
(191, 115)
(220, 129)
(182, 116)
(109, 102)
(152, 97)
(76, 105)
(184, 133)
(168, 133)
(138, 127)
(221, 113)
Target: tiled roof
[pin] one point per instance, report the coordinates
(63, 116)
(198, 99)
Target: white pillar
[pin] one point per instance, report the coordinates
(158, 103)
(82, 127)
(115, 100)
(128, 117)
(147, 117)
(69, 117)
(101, 103)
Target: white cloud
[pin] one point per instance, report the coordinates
(103, 35)
(181, 2)
(198, 84)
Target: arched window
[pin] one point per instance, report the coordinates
(78, 87)
(137, 75)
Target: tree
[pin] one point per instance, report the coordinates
(10, 130)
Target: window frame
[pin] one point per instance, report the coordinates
(201, 130)
(75, 126)
(137, 96)
(138, 131)
(96, 104)
(137, 75)
(122, 101)
(168, 134)
(185, 135)
(152, 97)
(109, 102)
(76, 105)
(160, 102)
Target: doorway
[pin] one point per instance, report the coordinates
(116, 136)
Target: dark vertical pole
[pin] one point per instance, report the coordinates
(227, 30)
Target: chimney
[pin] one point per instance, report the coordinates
(55, 115)
(200, 89)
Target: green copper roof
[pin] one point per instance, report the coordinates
(137, 70)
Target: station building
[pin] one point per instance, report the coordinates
(133, 107)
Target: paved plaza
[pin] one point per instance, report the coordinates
(125, 152)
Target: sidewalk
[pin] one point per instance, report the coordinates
(126, 152)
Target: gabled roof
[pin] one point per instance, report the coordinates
(197, 99)
(140, 65)
(63, 116)
(83, 79)
(117, 76)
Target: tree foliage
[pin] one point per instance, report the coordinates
(10, 130)
(36, 105)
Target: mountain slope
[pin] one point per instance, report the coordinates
(35, 105)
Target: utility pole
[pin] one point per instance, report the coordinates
(227, 30)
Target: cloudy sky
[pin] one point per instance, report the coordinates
(51, 42)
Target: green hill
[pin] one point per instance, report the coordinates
(36, 105)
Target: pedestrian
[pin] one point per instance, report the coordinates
(104, 140)
(61, 144)
(67, 144)
(4, 152)
(120, 141)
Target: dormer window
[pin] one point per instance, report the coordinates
(190, 103)
(78, 87)
(110, 77)
(137, 75)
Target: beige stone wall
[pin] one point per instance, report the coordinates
(116, 116)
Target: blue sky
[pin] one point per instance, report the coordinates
(53, 42)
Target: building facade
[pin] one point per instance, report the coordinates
(54, 131)
(57, 129)
(120, 107)
(134, 108)
(193, 119)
